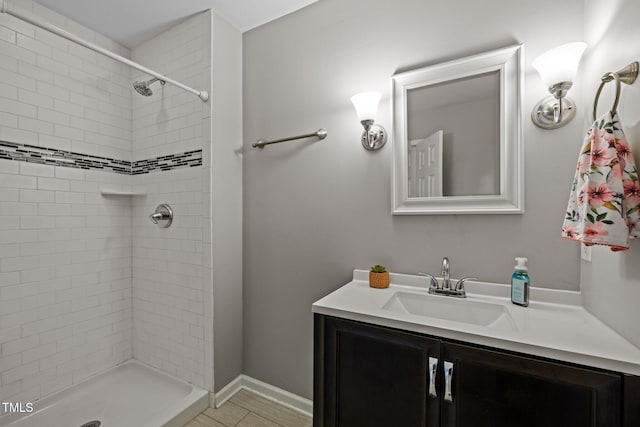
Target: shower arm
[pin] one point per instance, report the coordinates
(4, 8)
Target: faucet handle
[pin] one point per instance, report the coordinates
(434, 281)
(460, 283)
(154, 217)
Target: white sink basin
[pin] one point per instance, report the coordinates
(453, 309)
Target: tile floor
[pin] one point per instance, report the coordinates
(246, 409)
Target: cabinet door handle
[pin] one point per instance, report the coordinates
(433, 367)
(448, 379)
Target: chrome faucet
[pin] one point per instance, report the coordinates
(446, 278)
(444, 287)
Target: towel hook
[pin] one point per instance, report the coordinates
(626, 75)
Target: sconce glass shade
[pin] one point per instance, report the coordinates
(560, 64)
(558, 68)
(366, 105)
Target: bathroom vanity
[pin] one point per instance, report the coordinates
(401, 357)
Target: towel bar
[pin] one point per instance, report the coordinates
(626, 75)
(320, 133)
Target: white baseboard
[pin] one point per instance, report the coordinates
(268, 391)
(276, 394)
(216, 400)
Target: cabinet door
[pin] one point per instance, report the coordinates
(368, 376)
(501, 390)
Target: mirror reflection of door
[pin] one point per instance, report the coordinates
(425, 166)
(468, 109)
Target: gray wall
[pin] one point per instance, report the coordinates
(611, 283)
(316, 210)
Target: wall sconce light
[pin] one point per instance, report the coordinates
(558, 68)
(366, 104)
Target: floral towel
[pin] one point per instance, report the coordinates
(605, 197)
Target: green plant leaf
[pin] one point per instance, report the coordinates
(590, 218)
(378, 268)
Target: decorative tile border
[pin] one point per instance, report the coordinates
(68, 159)
(167, 163)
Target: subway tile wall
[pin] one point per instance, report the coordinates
(57, 94)
(172, 291)
(170, 120)
(168, 320)
(79, 271)
(65, 251)
(65, 277)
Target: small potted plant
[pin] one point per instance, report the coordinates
(379, 277)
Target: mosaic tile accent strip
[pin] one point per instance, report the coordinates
(166, 163)
(68, 159)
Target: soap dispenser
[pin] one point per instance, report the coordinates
(520, 283)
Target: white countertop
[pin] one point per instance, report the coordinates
(553, 326)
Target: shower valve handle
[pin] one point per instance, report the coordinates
(155, 217)
(163, 216)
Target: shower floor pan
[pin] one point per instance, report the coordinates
(128, 395)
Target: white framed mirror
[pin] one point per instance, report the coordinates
(457, 136)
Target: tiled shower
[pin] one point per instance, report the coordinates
(87, 281)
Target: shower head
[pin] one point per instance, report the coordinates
(143, 87)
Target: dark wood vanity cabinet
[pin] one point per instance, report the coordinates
(491, 388)
(366, 375)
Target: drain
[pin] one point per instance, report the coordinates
(91, 424)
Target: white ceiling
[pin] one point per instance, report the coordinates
(130, 22)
